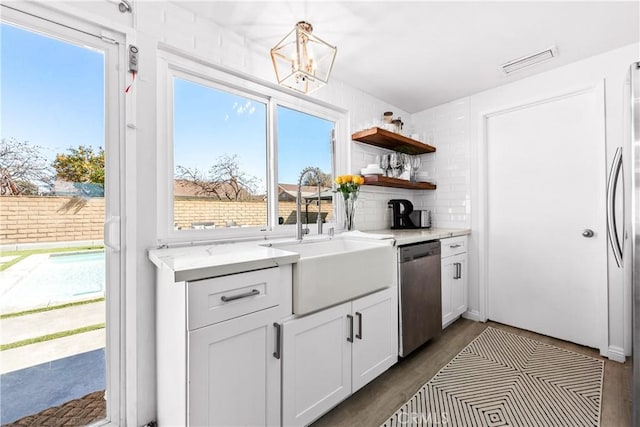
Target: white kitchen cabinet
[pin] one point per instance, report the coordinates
(332, 353)
(375, 344)
(454, 279)
(316, 373)
(234, 378)
(218, 346)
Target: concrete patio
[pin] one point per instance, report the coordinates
(37, 376)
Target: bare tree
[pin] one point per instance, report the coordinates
(22, 167)
(224, 180)
(325, 180)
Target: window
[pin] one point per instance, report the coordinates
(220, 158)
(236, 152)
(304, 140)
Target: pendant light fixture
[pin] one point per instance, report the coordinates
(303, 61)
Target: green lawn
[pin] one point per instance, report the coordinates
(52, 307)
(50, 337)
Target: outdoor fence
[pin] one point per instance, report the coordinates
(197, 210)
(37, 219)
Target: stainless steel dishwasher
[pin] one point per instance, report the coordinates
(420, 295)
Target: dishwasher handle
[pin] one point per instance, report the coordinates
(419, 250)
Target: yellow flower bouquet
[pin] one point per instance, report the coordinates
(349, 185)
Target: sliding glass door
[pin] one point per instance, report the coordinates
(59, 224)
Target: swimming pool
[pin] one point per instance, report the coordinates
(57, 279)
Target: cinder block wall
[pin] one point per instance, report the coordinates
(32, 219)
(36, 219)
(189, 210)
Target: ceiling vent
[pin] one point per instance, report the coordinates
(529, 60)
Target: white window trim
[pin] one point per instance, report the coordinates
(173, 62)
(71, 29)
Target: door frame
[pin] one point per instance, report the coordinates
(64, 26)
(483, 190)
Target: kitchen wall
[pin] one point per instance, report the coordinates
(447, 128)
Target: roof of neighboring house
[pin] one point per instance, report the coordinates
(186, 188)
(290, 192)
(183, 187)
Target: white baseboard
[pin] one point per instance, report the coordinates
(473, 315)
(616, 354)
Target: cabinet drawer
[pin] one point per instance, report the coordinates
(453, 246)
(221, 298)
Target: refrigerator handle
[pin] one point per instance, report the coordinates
(612, 228)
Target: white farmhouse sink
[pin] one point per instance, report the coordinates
(337, 270)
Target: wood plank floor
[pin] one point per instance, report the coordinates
(378, 400)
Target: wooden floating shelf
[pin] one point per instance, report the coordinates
(392, 141)
(386, 181)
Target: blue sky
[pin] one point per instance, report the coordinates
(52, 95)
(303, 140)
(52, 92)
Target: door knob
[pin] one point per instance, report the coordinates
(588, 233)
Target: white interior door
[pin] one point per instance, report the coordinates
(546, 184)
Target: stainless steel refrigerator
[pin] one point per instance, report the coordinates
(633, 262)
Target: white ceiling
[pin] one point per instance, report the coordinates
(418, 54)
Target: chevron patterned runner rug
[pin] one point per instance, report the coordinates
(502, 379)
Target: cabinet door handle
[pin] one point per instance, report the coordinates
(359, 334)
(458, 273)
(276, 353)
(350, 337)
(455, 246)
(251, 293)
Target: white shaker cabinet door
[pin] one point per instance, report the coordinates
(234, 378)
(459, 289)
(454, 288)
(316, 373)
(448, 273)
(375, 344)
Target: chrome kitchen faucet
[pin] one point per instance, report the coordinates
(299, 231)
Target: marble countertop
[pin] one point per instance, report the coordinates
(409, 236)
(213, 260)
(204, 261)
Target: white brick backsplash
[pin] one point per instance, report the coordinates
(447, 127)
(373, 212)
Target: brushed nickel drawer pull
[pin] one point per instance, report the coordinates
(359, 334)
(276, 353)
(458, 273)
(455, 246)
(251, 293)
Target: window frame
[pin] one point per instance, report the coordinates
(180, 74)
(173, 63)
